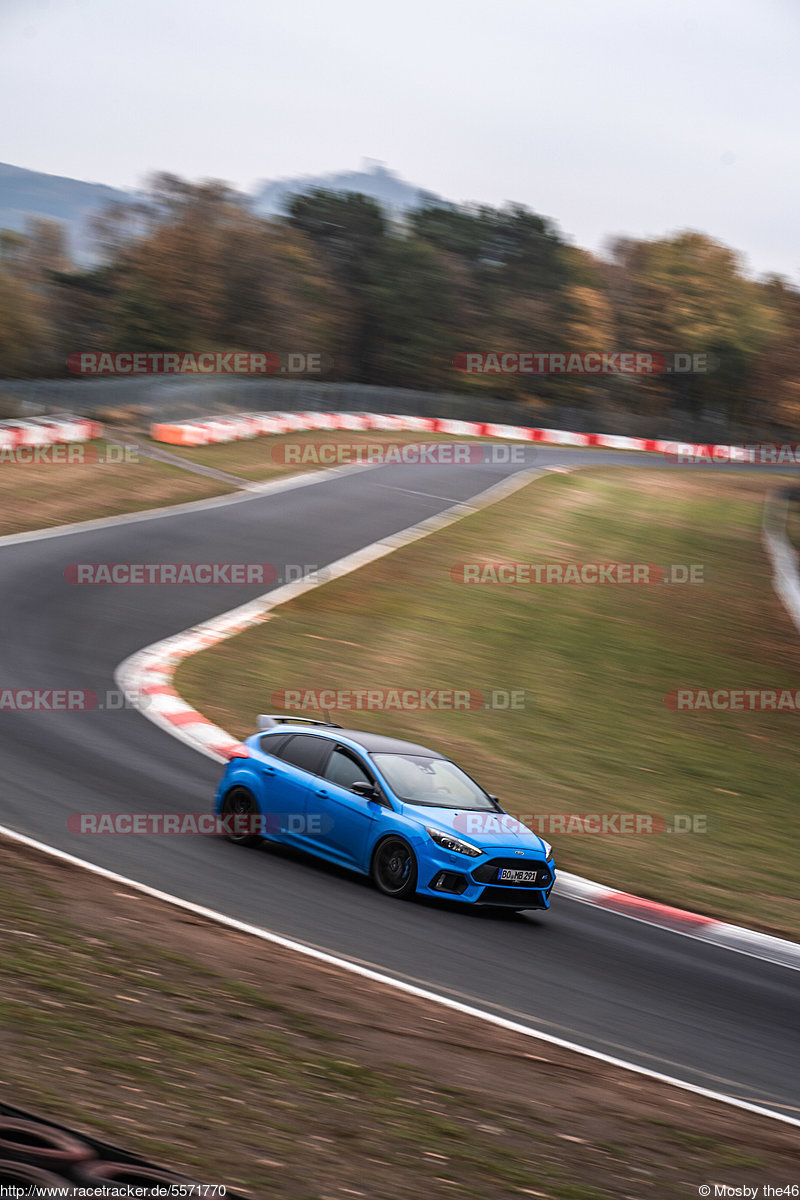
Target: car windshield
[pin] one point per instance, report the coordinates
(437, 782)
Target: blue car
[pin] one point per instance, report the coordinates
(402, 814)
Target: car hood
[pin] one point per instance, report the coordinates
(487, 829)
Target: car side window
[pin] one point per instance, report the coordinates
(305, 751)
(343, 770)
(271, 743)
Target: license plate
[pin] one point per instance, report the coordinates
(509, 875)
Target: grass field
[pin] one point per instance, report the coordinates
(239, 1063)
(40, 495)
(595, 664)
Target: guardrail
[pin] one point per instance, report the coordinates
(179, 398)
(782, 554)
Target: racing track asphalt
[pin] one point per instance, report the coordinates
(711, 1017)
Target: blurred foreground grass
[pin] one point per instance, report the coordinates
(236, 1062)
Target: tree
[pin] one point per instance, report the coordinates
(349, 232)
(689, 294)
(25, 334)
(418, 315)
(775, 380)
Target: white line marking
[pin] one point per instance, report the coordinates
(256, 492)
(265, 604)
(388, 981)
(784, 953)
(782, 555)
(409, 492)
(133, 673)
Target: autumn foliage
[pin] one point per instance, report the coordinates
(394, 302)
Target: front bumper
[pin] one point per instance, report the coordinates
(474, 881)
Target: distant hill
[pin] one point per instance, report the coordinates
(374, 179)
(25, 194)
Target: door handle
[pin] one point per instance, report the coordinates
(321, 792)
(268, 770)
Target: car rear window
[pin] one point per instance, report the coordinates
(271, 742)
(304, 750)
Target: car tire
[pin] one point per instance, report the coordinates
(394, 868)
(238, 802)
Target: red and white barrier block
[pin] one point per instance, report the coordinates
(201, 432)
(48, 431)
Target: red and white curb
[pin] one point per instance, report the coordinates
(678, 920)
(151, 670)
(149, 673)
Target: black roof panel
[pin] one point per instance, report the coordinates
(376, 743)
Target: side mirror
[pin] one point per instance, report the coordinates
(367, 790)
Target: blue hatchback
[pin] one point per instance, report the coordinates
(400, 813)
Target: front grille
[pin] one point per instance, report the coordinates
(487, 872)
(517, 897)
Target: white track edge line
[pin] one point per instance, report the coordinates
(573, 887)
(388, 981)
(280, 596)
(254, 491)
(710, 936)
(127, 674)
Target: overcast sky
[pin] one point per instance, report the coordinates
(610, 116)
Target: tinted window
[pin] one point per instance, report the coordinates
(271, 742)
(305, 751)
(345, 771)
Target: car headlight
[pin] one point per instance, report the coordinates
(448, 842)
(548, 850)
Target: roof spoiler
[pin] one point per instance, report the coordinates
(271, 720)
